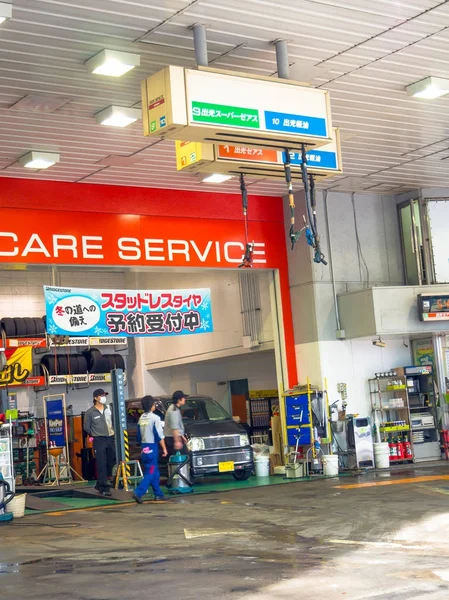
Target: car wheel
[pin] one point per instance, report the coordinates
(242, 475)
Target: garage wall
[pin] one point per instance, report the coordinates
(258, 368)
(318, 352)
(227, 337)
(21, 295)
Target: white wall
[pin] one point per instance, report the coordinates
(319, 354)
(227, 337)
(259, 368)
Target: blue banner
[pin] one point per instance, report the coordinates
(55, 422)
(103, 313)
(318, 159)
(313, 126)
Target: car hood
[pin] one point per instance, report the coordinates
(207, 428)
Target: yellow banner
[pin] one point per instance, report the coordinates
(19, 366)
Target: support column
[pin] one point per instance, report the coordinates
(200, 45)
(283, 66)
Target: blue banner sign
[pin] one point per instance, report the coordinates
(318, 159)
(313, 126)
(55, 422)
(103, 313)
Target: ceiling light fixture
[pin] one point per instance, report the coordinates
(112, 63)
(429, 88)
(5, 12)
(118, 116)
(39, 160)
(215, 178)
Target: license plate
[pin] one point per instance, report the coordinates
(224, 467)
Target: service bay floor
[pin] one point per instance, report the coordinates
(383, 536)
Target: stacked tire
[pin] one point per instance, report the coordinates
(21, 327)
(103, 363)
(65, 364)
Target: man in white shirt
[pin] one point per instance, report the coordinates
(151, 435)
(174, 425)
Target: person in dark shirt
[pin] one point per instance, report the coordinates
(98, 425)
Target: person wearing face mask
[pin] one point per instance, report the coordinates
(98, 425)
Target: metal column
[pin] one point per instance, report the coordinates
(283, 66)
(200, 45)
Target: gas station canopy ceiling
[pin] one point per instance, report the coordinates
(365, 53)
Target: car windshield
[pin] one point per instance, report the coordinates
(203, 409)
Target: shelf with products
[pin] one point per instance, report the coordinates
(261, 405)
(423, 412)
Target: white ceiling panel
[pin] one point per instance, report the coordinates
(365, 53)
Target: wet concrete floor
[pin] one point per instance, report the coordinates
(323, 540)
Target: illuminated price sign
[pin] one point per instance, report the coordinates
(433, 307)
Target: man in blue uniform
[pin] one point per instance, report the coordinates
(151, 435)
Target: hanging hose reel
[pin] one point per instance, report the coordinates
(247, 262)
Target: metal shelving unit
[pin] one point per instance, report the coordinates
(391, 410)
(422, 401)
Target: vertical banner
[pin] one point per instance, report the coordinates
(55, 413)
(74, 311)
(119, 413)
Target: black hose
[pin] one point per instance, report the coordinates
(8, 491)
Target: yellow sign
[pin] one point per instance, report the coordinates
(192, 153)
(19, 366)
(226, 467)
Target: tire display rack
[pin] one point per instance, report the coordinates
(64, 361)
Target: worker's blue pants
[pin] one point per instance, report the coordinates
(149, 461)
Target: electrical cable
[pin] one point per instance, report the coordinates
(359, 246)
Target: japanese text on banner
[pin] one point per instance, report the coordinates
(127, 313)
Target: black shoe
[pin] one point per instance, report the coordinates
(160, 498)
(109, 484)
(138, 499)
(106, 493)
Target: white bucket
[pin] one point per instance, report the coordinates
(262, 466)
(330, 465)
(382, 455)
(17, 506)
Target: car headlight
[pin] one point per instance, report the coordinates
(195, 444)
(244, 440)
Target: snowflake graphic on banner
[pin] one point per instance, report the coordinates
(52, 328)
(205, 304)
(100, 331)
(205, 325)
(51, 298)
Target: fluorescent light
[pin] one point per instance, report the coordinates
(429, 88)
(112, 63)
(118, 116)
(39, 160)
(216, 178)
(5, 12)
